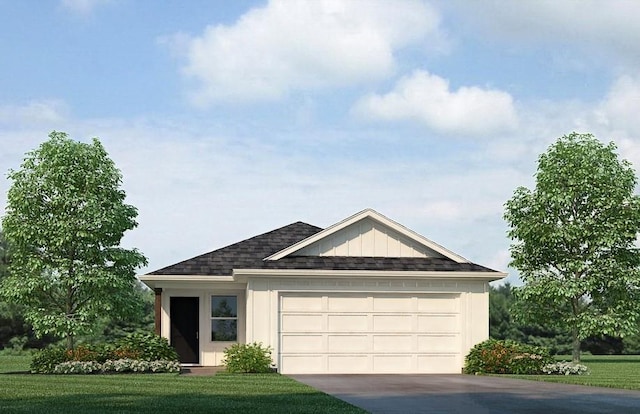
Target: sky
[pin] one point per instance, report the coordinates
(228, 119)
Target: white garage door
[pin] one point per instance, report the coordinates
(370, 333)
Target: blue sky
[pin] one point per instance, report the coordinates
(231, 118)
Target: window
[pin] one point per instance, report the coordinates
(224, 318)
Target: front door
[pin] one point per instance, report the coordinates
(184, 328)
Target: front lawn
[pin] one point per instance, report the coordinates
(614, 371)
(157, 393)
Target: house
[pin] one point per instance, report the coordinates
(366, 295)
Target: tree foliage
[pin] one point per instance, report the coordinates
(64, 220)
(574, 241)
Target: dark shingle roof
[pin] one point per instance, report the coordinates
(247, 254)
(250, 254)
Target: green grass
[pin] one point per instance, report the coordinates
(14, 363)
(157, 393)
(613, 371)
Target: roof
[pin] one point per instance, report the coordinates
(251, 254)
(247, 254)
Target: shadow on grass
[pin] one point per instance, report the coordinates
(612, 360)
(177, 403)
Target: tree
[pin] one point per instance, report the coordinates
(64, 220)
(574, 241)
(502, 324)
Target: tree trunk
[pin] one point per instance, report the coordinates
(70, 342)
(575, 355)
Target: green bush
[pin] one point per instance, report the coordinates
(140, 346)
(145, 346)
(248, 358)
(45, 361)
(506, 357)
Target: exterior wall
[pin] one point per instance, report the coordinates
(263, 303)
(211, 353)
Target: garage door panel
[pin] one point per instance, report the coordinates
(393, 363)
(347, 323)
(301, 303)
(348, 343)
(347, 303)
(393, 343)
(438, 323)
(303, 343)
(392, 304)
(302, 323)
(438, 343)
(303, 364)
(392, 323)
(438, 364)
(438, 303)
(348, 363)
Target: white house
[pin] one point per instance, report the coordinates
(366, 295)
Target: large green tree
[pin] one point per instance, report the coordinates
(574, 241)
(64, 220)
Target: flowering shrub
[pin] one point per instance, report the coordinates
(565, 368)
(506, 357)
(248, 358)
(81, 353)
(77, 367)
(138, 365)
(117, 366)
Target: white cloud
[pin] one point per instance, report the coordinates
(619, 110)
(611, 28)
(289, 46)
(83, 7)
(428, 99)
(37, 111)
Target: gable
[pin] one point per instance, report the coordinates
(368, 234)
(367, 238)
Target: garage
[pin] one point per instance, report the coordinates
(370, 333)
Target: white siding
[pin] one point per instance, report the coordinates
(367, 238)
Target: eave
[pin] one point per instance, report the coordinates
(242, 275)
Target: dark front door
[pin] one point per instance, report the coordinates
(184, 328)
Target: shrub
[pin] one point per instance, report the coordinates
(565, 368)
(146, 346)
(136, 365)
(248, 358)
(143, 347)
(77, 367)
(82, 353)
(45, 361)
(117, 366)
(506, 357)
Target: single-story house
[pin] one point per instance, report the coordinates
(365, 295)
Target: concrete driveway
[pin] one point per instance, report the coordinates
(470, 394)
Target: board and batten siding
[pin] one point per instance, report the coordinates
(367, 238)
